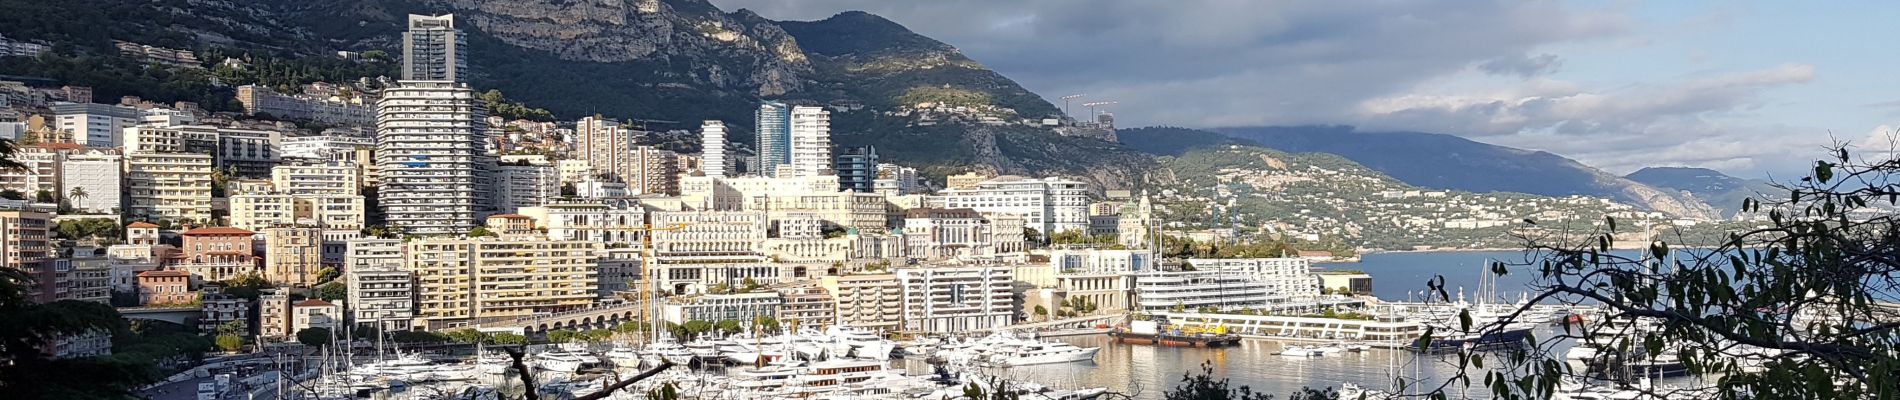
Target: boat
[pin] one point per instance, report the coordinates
(565, 361)
(1040, 352)
(1151, 332)
(1329, 350)
(1298, 351)
(671, 352)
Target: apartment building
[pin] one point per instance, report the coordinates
(273, 315)
(518, 186)
(655, 171)
(712, 144)
(315, 313)
(857, 169)
(807, 307)
(462, 280)
(610, 220)
(331, 177)
(703, 248)
(604, 144)
(293, 255)
(25, 245)
(168, 186)
(810, 147)
(742, 307)
(91, 180)
(165, 287)
(430, 153)
(215, 254)
(867, 301)
(957, 299)
(774, 126)
(262, 100)
(381, 297)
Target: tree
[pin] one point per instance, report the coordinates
(480, 231)
(28, 373)
(229, 343)
(1031, 235)
(694, 328)
(728, 326)
(1042, 313)
(245, 286)
(314, 337)
(1797, 307)
(77, 195)
(765, 323)
(1203, 386)
(11, 194)
(327, 274)
(333, 291)
(466, 336)
(506, 338)
(748, 285)
(561, 336)
(44, 196)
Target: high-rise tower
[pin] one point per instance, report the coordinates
(811, 141)
(712, 137)
(775, 136)
(433, 50)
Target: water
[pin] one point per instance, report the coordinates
(1148, 371)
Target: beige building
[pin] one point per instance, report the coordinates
(331, 211)
(168, 186)
(292, 255)
(462, 280)
(807, 306)
(273, 315)
(866, 301)
(967, 180)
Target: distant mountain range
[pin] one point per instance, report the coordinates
(1720, 190)
(1434, 160)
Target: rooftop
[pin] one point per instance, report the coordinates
(216, 231)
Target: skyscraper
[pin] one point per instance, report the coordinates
(712, 144)
(810, 141)
(606, 146)
(857, 169)
(432, 50)
(430, 127)
(775, 136)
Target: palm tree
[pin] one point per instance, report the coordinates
(76, 197)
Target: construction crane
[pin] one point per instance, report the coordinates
(1065, 103)
(1091, 106)
(646, 275)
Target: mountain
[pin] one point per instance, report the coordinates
(665, 63)
(1720, 190)
(1440, 161)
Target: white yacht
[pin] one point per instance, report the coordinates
(1298, 351)
(670, 351)
(565, 361)
(1039, 352)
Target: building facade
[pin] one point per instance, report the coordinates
(957, 299)
(430, 155)
(462, 280)
(1050, 205)
(774, 125)
(712, 144)
(94, 125)
(810, 141)
(168, 186)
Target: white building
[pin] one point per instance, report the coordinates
(866, 301)
(518, 186)
(94, 125)
(1288, 279)
(383, 298)
(712, 141)
(613, 220)
(935, 233)
(742, 307)
(430, 150)
(704, 248)
(314, 313)
(1162, 291)
(433, 50)
(95, 173)
(956, 299)
(1049, 205)
(335, 177)
(604, 145)
(332, 145)
(810, 141)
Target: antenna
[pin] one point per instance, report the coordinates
(1091, 106)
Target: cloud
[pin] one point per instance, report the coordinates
(1212, 62)
(1522, 65)
(1618, 129)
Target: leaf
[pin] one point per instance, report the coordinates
(1823, 171)
(1464, 320)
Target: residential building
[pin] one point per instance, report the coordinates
(42, 172)
(957, 299)
(336, 144)
(509, 226)
(215, 254)
(315, 313)
(655, 171)
(247, 152)
(519, 186)
(1164, 291)
(574, 171)
(1288, 279)
(94, 125)
(434, 50)
(742, 307)
(381, 297)
(1101, 261)
(701, 248)
(79, 276)
(20, 48)
(168, 186)
(896, 180)
(273, 315)
(91, 181)
(867, 301)
(605, 145)
(165, 287)
(373, 254)
(217, 309)
(1050, 205)
(459, 281)
(261, 100)
(774, 125)
(331, 177)
(25, 245)
(712, 144)
(293, 255)
(329, 211)
(158, 55)
(964, 181)
(430, 152)
(810, 141)
(1356, 284)
(857, 169)
(619, 270)
(195, 139)
(807, 306)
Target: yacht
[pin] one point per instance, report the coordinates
(1043, 353)
(565, 361)
(671, 352)
(1298, 351)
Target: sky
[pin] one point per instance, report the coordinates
(1752, 88)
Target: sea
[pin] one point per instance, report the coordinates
(1146, 372)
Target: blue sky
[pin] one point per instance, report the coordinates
(1747, 87)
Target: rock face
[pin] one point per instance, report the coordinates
(1720, 190)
